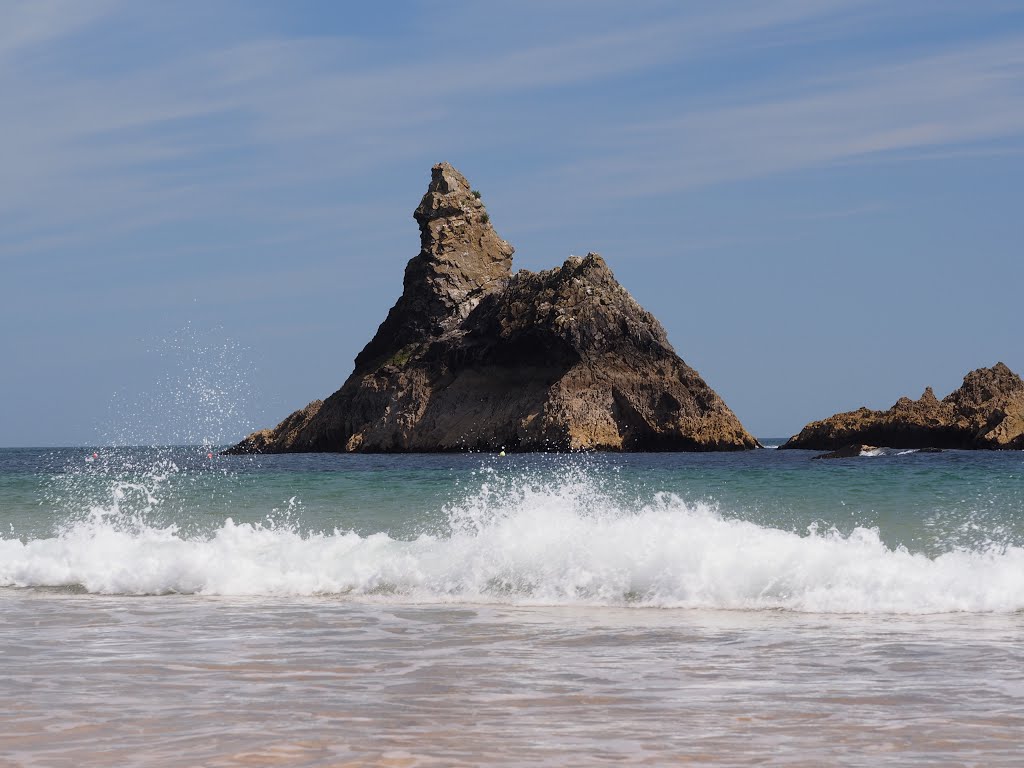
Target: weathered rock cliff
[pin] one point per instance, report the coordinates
(987, 411)
(474, 357)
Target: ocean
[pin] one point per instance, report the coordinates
(172, 606)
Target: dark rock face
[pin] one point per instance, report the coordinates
(987, 411)
(461, 259)
(474, 357)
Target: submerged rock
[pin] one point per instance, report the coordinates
(848, 452)
(475, 357)
(986, 412)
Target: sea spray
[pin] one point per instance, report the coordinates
(530, 540)
(200, 394)
(157, 461)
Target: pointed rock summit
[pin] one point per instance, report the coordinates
(475, 357)
(987, 411)
(461, 259)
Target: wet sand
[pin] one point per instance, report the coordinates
(188, 680)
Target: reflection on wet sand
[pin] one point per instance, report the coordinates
(233, 682)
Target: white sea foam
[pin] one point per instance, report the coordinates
(561, 543)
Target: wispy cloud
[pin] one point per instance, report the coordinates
(841, 213)
(30, 23)
(966, 95)
(241, 126)
(241, 155)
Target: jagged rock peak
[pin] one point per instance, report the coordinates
(461, 260)
(986, 411)
(474, 357)
(579, 302)
(983, 385)
(463, 253)
(448, 194)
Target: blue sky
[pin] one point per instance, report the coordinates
(819, 199)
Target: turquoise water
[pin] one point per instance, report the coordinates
(382, 523)
(168, 606)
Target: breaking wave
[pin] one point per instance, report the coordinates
(563, 542)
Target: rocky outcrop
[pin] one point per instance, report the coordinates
(987, 411)
(475, 357)
(461, 260)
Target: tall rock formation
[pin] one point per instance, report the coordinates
(474, 357)
(987, 411)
